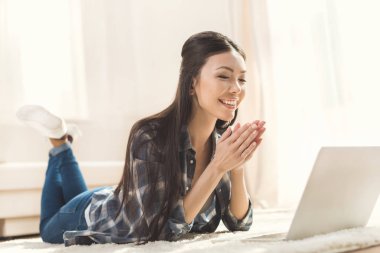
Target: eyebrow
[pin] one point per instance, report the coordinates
(230, 69)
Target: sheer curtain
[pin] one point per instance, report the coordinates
(41, 62)
(317, 71)
(312, 75)
(42, 58)
(10, 82)
(103, 64)
(249, 29)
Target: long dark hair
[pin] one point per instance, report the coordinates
(195, 52)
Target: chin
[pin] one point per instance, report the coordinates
(227, 118)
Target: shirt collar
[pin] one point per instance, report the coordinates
(186, 142)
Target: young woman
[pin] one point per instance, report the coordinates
(183, 168)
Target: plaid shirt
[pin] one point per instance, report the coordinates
(105, 228)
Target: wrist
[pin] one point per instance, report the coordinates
(237, 173)
(216, 168)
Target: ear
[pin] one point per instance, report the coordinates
(192, 88)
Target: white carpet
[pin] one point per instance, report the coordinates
(261, 238)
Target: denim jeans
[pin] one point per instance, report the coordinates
(64, 196)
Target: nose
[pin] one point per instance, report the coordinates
(235, 87)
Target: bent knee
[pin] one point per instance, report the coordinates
(49, 236)
(51, 239)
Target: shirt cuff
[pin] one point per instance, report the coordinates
(176, 225)
(234, 224)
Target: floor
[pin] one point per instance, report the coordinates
(266, 223)
(368, 250)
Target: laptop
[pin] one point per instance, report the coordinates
(341, 192)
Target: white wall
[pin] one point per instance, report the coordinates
(130, 57)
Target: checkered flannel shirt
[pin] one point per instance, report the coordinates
(105, 228)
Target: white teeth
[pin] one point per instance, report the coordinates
(229, 102)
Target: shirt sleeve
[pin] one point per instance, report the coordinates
(234, 224)
(143, 161)
(176, 225)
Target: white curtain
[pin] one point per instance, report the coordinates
(10, 82)
(41, 62)
(317, 64)
(312, 72)
(105, 64)
(261, 172)
(100, 63)
(41, 57)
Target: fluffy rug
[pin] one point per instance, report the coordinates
(262, 238)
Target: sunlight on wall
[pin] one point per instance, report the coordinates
(43, 33)
(359, 40)
(327, 84)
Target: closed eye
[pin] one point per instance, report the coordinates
(242, 80)
(223, 77)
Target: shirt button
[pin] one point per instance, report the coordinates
(191, 161)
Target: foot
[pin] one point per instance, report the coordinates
(43, 121)
(73, 132)
(46, 123)
(58, 142)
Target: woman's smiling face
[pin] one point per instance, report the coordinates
(220, 86)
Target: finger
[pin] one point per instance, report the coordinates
(256, 122)
(249, 150)
(250, 155)
(237, 126)
(243, 134)
(258, 143)
(226, 134)
(260, 133)
(240, 129)
(254, 149)
(251, 138)
(261, 124)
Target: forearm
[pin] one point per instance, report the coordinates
(239, 196)
(200, 192)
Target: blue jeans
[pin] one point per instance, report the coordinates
(64, 196)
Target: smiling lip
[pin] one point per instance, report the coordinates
(229, 103)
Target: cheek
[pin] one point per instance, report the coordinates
(242, 94)
(207, 93)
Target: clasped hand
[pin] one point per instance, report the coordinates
(237, 145)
